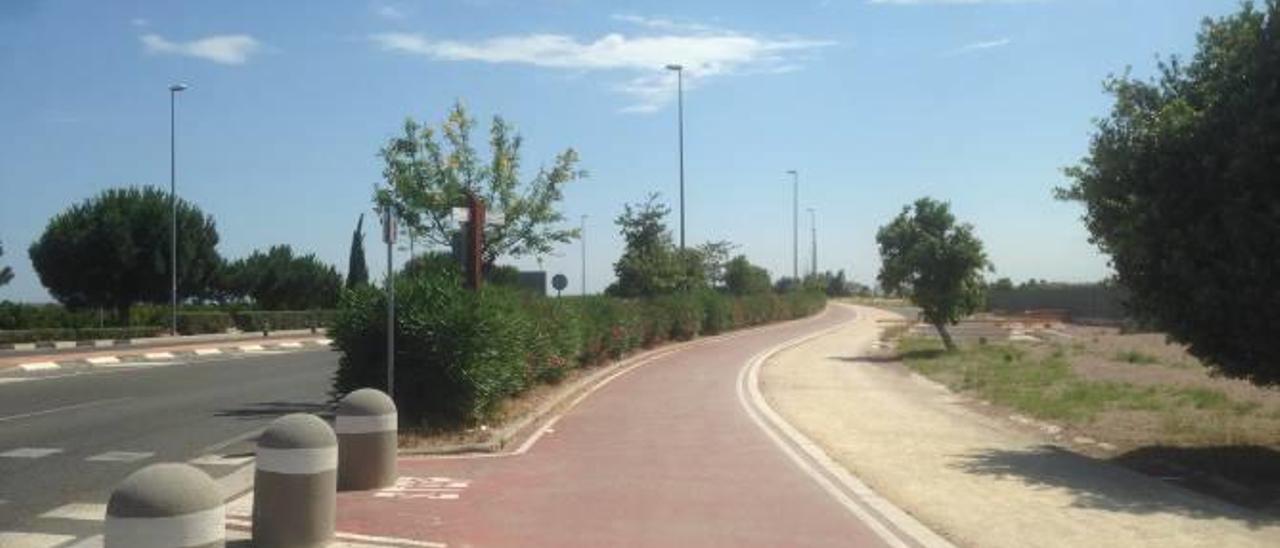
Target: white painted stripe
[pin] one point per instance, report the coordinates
(297, 461)
(192, 529)
(104, 342)
(82, 511)
(38, 366)
(219, 460)
(103, 360)
(364, 424)
(24, 346)
(30, 452)
(251, 348)
(120, 456)
(159, 355)
(94, 541)
(325, 342)
(64, 344)
(57, 409)
(290, 345)
(207, 351)
(10, 539)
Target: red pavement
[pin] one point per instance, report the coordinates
(662, 456)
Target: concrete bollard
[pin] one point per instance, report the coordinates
(295, 483)
(166, 505)
(366, 426)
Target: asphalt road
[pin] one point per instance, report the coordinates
(66, 441)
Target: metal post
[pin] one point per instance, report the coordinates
(389, 235)
(583, 237)
(813, 239)
(173, 213)
(680, 103)
(795, 224)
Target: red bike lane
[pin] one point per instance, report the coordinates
(664, 455)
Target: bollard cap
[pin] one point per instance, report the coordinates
(298, 431)
(164, 490)
(366, 401)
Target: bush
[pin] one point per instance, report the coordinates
(274, 320)
(86, 334)
(197, 323)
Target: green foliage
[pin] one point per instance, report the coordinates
(274, 320)
(429, 177)
(112, 251)
(6, 273)
(357, 268)
(936, 262)
(743, 278)
(196, 323)
(715, 257)
(81, 334)
(279, 280)
(650, 264)
(460, 354)
(1179, 188)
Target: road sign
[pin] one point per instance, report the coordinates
(559, 281)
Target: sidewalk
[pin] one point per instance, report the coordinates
(976, 479)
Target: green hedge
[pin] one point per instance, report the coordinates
(199, 323)
(460, 353)
(273, 320)
(85, 334)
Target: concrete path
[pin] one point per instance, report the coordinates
(668, 453)
(973, 478)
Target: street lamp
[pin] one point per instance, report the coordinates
(795, 224)
(582, 235)
(174, 89)
(680, 107)
(813, 239)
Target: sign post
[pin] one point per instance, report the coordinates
(475, 241)
(559, 282)
(389, 236)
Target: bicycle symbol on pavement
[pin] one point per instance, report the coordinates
(433, 488)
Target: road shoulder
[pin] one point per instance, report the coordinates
(973, 478)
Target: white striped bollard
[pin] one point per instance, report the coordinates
(167, 505)
(366, 427)
(295, 483)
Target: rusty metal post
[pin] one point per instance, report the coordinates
(475, 240)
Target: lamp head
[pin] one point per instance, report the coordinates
(178, 87)
(674, 66)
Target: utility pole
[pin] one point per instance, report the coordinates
(389, 236)
(813, 238)
(795, 224)
(173, 208)
(680, 107)
(582, 234)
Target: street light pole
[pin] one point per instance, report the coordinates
(795, 224)
(680, 108)
(583, 236)
(173, 209)
(813, 239)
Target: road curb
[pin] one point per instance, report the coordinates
(42, 364)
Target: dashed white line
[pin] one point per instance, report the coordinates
(81, 511)
(30, 452)
(37, 366)
(63, 408)
(207, 351)
(290, 345)
(251, 348)
(11, 539)
(104, 360)
(220, 460)
(121, 456)
(159, 355)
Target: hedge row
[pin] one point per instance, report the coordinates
(189, 323)
(460, 353)
(193, 318)
(85, 334)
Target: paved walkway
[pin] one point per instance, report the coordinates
(975, 479)
(666, 454)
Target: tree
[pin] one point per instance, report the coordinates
(650, 264)
(357, 268)
(279, 280)
(713, 256)
(743, 278)
(1179, 188)
(1002, 284)
(113, 250)
(6, 273)
(838, 285)
(427, 178)
(937, 263)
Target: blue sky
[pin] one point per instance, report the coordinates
(876, 103)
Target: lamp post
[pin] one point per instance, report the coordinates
(813, 239)
(582, 232)
(173, 208)
(680, 108)
(795, 224)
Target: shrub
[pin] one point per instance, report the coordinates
(195, 323)
(86, 334)
(272, 320)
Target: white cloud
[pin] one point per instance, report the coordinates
(388, 11)
(979, 46)
(706, 52)
(227, 49)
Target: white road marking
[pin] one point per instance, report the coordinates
(251, 348)
(64, 344)
(94, 541)
(159, 355)
(121, 456)
(83, 511)
(7, 380)
(104, 360)
(24, 346)
(32, 540)
(207, 351)
(325, 342)
(38, 366)
(104, 342)
(63, 408)
(30, 452)
(290, 345)
(219, 460)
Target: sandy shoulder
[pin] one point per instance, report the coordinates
(974, 479)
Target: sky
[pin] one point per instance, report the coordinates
(875, 103)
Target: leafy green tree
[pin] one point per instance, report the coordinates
(1180, 189)
(937, 263)
(357, 268)
(714, 256)
(6, 273)
(1002, 284)
(280, 280)
(650, 264)
(743, 278)
(428, 177)
(838, 285)
(112, 251)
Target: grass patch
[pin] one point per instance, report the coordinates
(1135, 357)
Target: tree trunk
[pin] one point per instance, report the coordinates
(946, 336)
